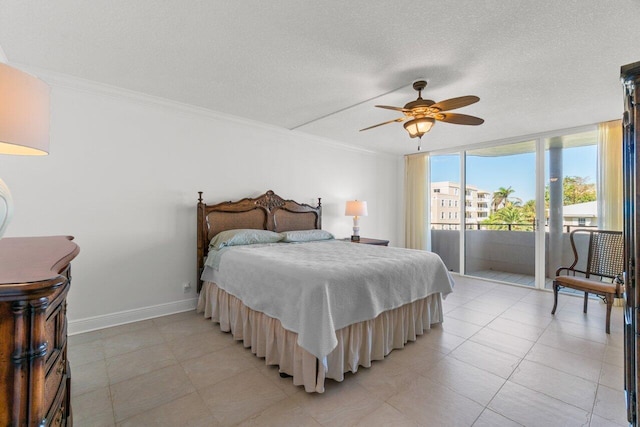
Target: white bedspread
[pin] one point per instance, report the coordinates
(317, 288)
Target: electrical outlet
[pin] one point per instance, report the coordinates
(186, 287)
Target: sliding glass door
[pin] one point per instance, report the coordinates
(516, 204)
(445, 217)
(500, 213)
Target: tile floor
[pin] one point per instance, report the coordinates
(499, 359)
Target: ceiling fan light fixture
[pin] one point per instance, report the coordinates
(418, 127)
(421, 114)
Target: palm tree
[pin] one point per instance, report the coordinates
(510, 217)
(501, 197)
(529, 211)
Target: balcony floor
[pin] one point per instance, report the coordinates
(503, 276)
(520, 279)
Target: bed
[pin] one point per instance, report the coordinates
(314, 306)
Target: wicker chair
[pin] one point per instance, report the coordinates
(602, 271)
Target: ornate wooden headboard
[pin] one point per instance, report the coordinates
(266, 212)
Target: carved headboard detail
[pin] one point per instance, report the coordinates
(266, 212)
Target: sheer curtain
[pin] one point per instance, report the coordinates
(415, 188)
(610, 175)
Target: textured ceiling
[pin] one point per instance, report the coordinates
(320, 66)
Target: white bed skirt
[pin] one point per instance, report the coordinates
(358, 344)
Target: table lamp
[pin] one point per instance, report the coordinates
(356, 208)
(24, 124)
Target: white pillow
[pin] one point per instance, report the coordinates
(305, 236)
(243, 236)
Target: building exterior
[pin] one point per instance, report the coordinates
(580, 214)
(445, 205)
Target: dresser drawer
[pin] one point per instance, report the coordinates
(54, 381)
(57, 412)
(55, 326)
(58, 418)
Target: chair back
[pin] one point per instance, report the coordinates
(606, 252)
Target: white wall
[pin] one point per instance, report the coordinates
(123, 174)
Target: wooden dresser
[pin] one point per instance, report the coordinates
(34, 371)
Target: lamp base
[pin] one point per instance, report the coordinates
(355, 238)
(6, 207)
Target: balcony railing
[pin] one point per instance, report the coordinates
(500, 226)
(494, 251)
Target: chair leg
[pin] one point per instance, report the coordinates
(609, 305)
(555, 297)
(586, 300)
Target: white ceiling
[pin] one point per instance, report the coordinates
(320, 66)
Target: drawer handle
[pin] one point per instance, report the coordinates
(58, 419)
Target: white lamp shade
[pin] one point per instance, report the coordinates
(356, 208)
(24, 113)
(24, 124)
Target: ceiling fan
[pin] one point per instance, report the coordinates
(422, 113)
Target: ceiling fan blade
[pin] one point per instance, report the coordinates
(453, 103)
(389, 107)
(459, 119)
(400, 119)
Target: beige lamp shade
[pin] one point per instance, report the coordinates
(356, 208)
(418, 127)
(24, 113)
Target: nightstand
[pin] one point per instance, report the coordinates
(367, 241)
(35, 276)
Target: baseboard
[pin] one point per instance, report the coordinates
(128, 316)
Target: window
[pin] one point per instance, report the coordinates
(571, 173)
(501, 187)
(442, 202)
(436, 190)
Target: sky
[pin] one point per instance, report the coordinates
(517, 171)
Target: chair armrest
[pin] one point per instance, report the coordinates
(569, 270)
(619, 281)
